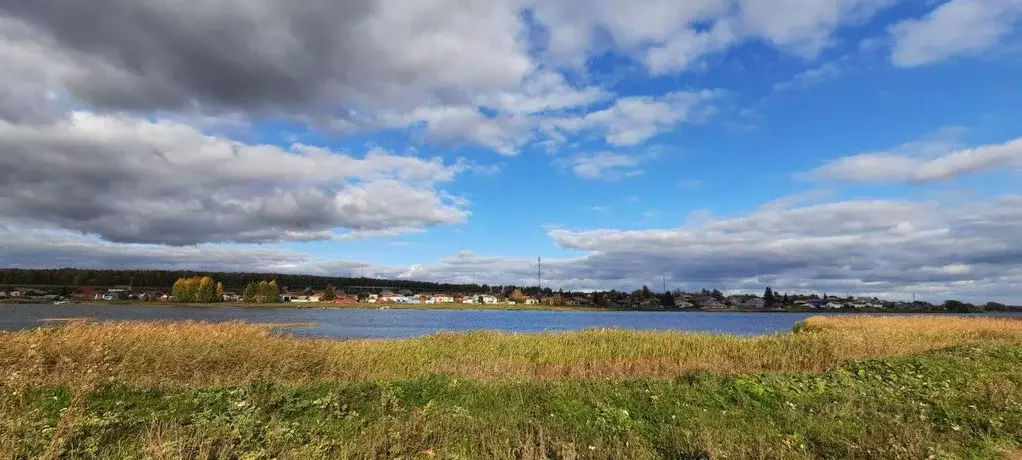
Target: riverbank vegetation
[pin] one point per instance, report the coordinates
(837, 387)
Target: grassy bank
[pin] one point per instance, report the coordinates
(839, 387)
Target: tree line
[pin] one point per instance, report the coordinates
(165, 279)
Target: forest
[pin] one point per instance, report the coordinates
(165, 279)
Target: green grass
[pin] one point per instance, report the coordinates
(851, 387)
(964, 403)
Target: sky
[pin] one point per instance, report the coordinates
(854, 147)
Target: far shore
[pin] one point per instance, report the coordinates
(480, 307)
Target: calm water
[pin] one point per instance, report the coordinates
(344, 324)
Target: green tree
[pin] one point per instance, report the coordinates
(183, 291)
(668, 300)
(268, 292)
(251, 291)
(768, 297)
(329, 294)
(955, 306)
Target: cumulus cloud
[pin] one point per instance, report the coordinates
(915, 163)
(265, 55)
(855, 247)
(137, 181)
(33, 248)
(886, 248)
(477, 73)
(957, 27)
(668, 36)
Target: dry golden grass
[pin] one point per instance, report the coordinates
(192, 354)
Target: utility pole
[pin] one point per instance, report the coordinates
(665, 285)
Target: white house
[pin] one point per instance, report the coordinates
(387, 296)
(531, 301)
(489, 300)
(440, 298)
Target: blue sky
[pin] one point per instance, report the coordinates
(859, 146)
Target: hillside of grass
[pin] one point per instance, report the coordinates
(837, 387)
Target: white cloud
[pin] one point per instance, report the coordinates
(850, 247)
(919, 162)
(635, 119)
(604, 165)
(132, 180)
(804, 26)
(789, 201)
(476, 73)
(668, 36)
(954, 28)
(678, 53)
(823, 72)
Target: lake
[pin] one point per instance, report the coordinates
(357, 323)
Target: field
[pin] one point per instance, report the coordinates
(836, 387)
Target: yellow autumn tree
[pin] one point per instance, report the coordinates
(197, 289)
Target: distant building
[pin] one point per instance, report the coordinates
(343, 298)
(228, 297)
(752, 302)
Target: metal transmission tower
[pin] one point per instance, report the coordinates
(539, 274)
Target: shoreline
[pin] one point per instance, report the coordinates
(482, 307)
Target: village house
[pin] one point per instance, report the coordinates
(711, 303)
(344, 298)
(531, 301)
(751, 302)
(681, 303)
(227, 297)
(439, 298)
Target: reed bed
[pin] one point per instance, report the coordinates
(196, 354)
